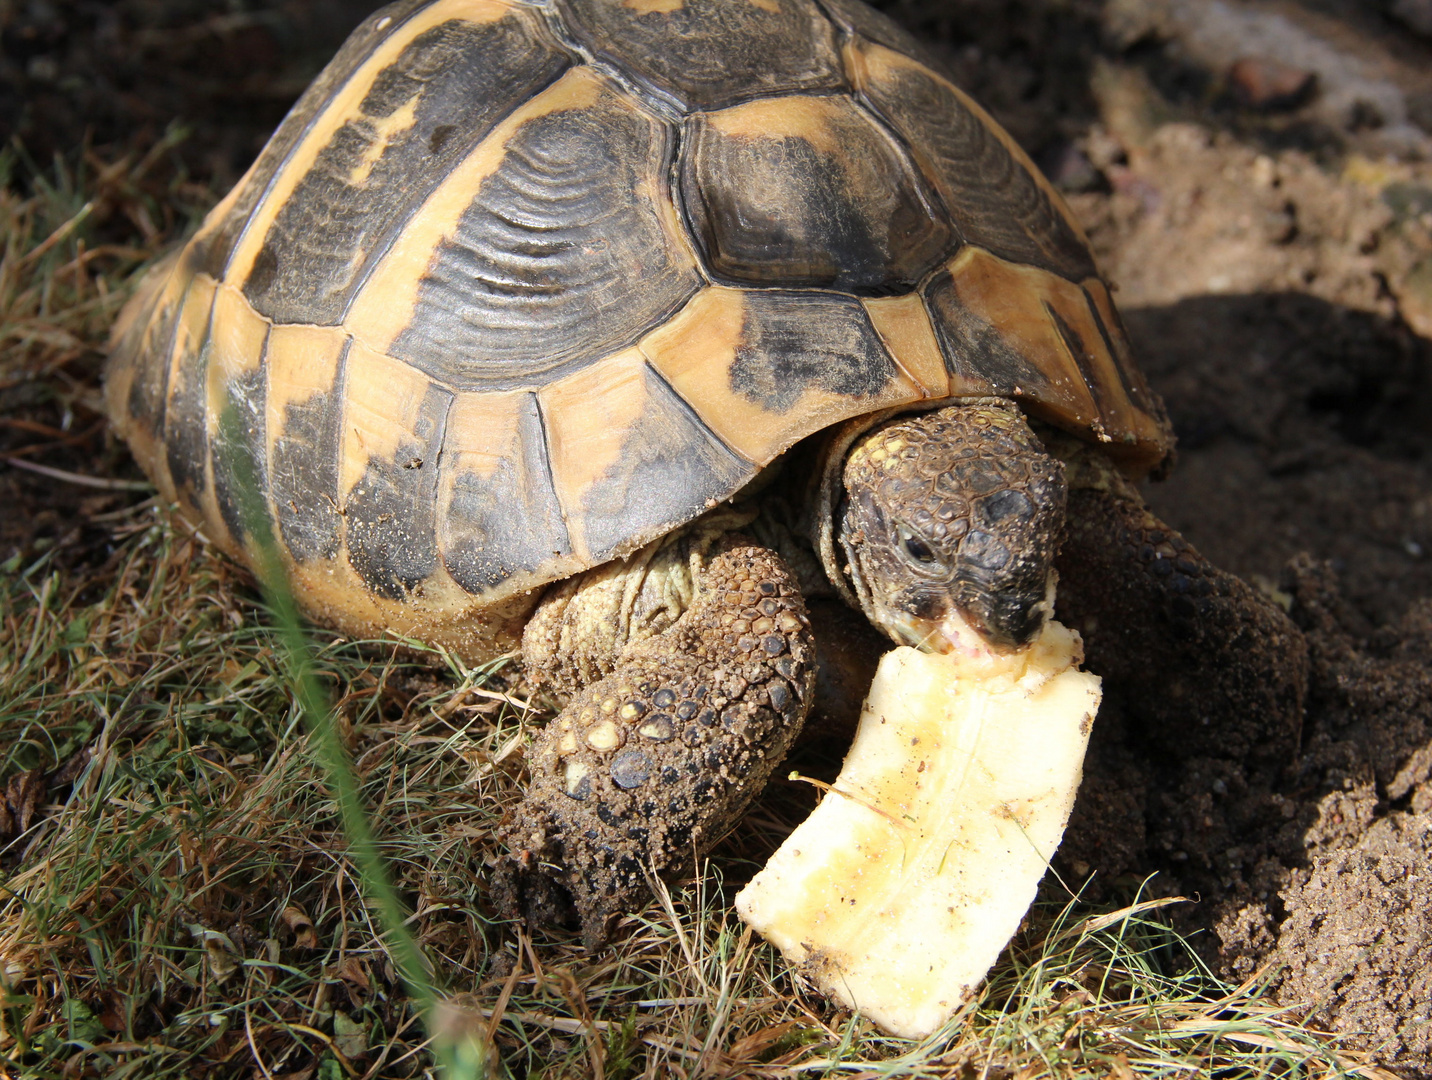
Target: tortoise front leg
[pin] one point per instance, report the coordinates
(1208, 665)
(646, 768)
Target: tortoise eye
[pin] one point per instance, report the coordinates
(916, 548)
(919, 550)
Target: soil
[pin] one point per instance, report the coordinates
(1273, 254)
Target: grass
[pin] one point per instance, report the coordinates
(204, 805)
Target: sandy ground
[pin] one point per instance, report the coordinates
(1254, 176)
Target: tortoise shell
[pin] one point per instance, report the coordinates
(516, 288)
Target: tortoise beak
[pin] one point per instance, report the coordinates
(952, 633)
(1015, 621)
(1010, 624)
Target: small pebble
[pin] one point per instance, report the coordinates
(1270, 86)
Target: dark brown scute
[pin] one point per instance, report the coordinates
(459, 79)
(304, 472)
(127, 336)
(1082, 352)
(855, 17)
(239, 454)
(391, 512)
(129, 352)
(670, 462)
(797, 341)
(994, 200)
(186, 416)
(150, 388)
(975, 349)
(562, 257)
(839, 206)
(220, 243)
(508, 522)
(706, 54)
(1116, 342)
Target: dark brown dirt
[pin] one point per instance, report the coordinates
(118, 73)
(1275, 270)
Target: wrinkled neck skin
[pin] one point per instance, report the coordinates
(947, 521)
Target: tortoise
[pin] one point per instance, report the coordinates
(617, 333)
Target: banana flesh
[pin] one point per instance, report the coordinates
(899, 892)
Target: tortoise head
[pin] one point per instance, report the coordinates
(952, 516)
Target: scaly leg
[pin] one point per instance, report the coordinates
(647, 767)
(1208, 664)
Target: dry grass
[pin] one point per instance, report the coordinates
(181, 896)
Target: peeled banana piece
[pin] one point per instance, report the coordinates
(899, 892)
